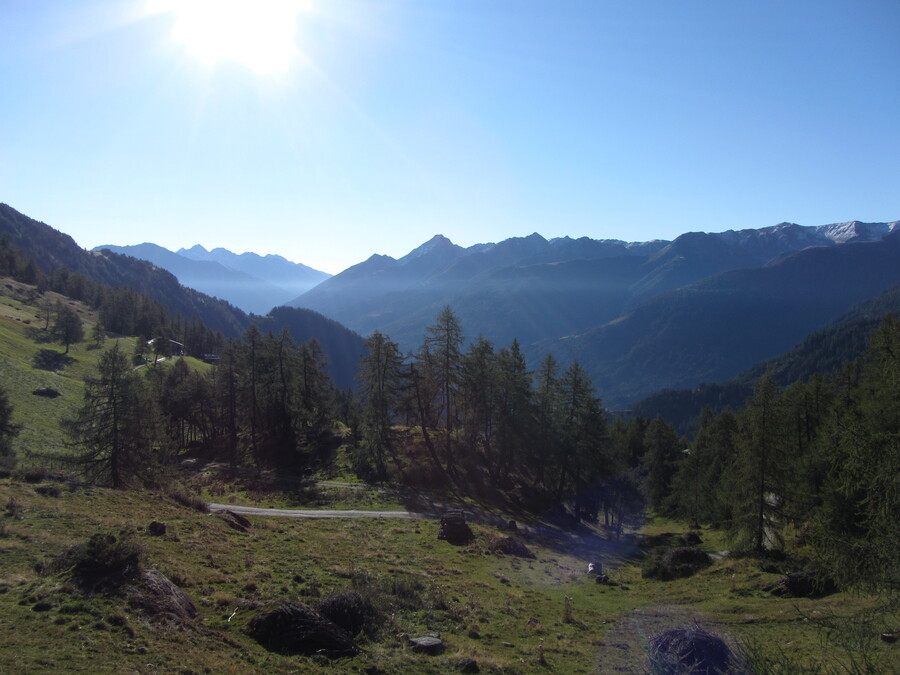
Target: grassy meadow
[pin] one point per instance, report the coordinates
(510, 614)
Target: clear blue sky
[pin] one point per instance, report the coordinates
(395, 120)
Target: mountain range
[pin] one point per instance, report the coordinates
(640, 316)
(249, 281)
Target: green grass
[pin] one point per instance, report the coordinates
(512, 615)
(503, 611)
(21, 338)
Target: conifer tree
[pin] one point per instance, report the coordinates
(116, 426)
(380, 378)
(857, 527)
(548, 398)
(443, 341)
(662, 452)
(68, 328)
(514, 407)
(755, 476)
(478, 401)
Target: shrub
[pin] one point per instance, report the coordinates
(104, 562)
(674, 563)
(352, 611)
(294, 628)
(48, 490)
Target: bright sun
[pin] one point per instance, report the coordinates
(259, 34)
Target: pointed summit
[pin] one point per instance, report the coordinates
(437, 244)
(195, 252)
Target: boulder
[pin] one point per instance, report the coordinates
(454, 528)
(161, 600)
(232, 520)
(239, 519)
(427, 644)
(295, 628)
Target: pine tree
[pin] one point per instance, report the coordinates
(857, 527)
(478, 402)
(756, 484)
(548, 400)
(515, 418)
(661, 455)
(443, 342)
(116, 425)
(380, 379)
(68, 328)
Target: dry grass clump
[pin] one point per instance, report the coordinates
(693, 650)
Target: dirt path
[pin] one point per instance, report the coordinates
(313, 513)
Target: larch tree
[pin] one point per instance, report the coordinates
(68, 328)
(755, 476)
(857, 527)
(380, 379)
(443, 342)
(116, 426)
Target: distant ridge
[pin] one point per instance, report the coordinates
(639, 315)
(53, 249)
(249, 281)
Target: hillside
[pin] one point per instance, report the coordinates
(715, 328)
(54, 250)
(497, 611)
(823, 352)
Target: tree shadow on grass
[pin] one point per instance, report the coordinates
(40, 335)
(50, 359)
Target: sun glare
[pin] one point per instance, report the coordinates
(258, 34)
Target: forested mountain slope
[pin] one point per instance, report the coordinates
(57, 253)
(715, 328)
(823, 352)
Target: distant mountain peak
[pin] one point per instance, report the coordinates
(438, 243)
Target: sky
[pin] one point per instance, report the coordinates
(326, 131)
